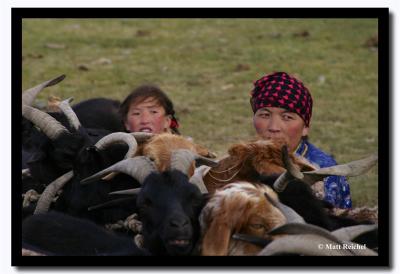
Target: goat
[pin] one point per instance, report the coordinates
(98, 118)
(262, 161)
(57, 234)
(168, 204)
(237, 208)
(255, 210)
(160, 148)
(246, 160)
(86, 157)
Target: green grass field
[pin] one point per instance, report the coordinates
(207, 67)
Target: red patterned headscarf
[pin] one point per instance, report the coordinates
(284, 91)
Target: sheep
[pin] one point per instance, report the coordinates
(168, 204)
(57, 234)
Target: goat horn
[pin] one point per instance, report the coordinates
(141, 136)
(255, 240)
(181, 159)
(291, 215)
(308, 229)
(26, 173)
(111, 203)
(303, 228)
(47, 124)
(50, 192)
(354, 168)
(351, 232)
(138, 168)
(69, 113)
(29, 95)
(119, 137)
(307, 244)
(291, 172)
(197, 179)
(131, 191)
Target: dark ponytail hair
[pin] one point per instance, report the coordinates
(141, 93)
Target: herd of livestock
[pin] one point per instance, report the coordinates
(91, 189)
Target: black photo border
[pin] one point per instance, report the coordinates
(384, 185)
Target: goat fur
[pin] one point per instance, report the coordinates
(248, 160)
(237, 208)
(160, 148)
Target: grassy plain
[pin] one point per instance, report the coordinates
(207, 67)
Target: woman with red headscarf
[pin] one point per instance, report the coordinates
(282, 108)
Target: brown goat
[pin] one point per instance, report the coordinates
(238, 208)
(248, 159)
(160, 147)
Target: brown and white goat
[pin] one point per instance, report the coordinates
(238, 208)
(248, 159)
(160, 147)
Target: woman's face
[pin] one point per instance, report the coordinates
(279, 123)
(147, 116)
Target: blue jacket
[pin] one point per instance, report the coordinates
(337, 189)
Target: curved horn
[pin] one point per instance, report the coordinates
(141, 136)
(291, 172)
(112, 203)
(131, 191)
(47, 124)
(308, 245)
(354, 168)
(182, 159)
(139, 168)
(255, 240)
(50, 192)
(29, 95)
(291, 215)
(119, 137)
(26, 173)
(351, 232)
(69, 113)
(302, 229)
(197, 179)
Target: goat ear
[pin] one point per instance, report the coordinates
(203, 151)
(216, 240)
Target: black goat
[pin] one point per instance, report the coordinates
(168, 204)
(299, 196)
(58, 234)
(100, 113)
(92, 119)
(80, 151)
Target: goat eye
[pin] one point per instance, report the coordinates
(257, 226)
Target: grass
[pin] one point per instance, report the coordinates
(207, 67)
